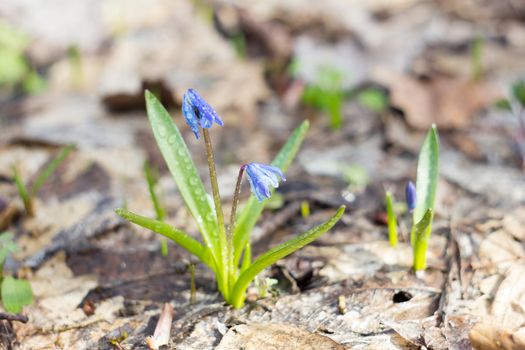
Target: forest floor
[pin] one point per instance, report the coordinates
(100, 282)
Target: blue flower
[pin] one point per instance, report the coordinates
(261, 177)
(198, 112)
(410, 195)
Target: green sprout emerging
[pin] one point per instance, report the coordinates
(28, 196)
(15, 293)
(391, 219)
(420, 200)
(225, 249)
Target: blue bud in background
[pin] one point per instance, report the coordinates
(198, 112)
(410, 195)
(261, 177)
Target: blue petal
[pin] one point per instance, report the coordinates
(410, 195)
(261, 177)
(206, 114)
(188, 110)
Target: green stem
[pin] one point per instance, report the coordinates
(223, 246)
(231, 227)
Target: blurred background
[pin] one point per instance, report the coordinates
(371, 76)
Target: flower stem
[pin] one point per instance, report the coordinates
(231, 227)
(218, 210)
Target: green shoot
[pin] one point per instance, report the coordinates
(305, 209)
(151, 179)
(421, 200)
(426, 186)
(27, 196)
(391, 219)
(221, 249)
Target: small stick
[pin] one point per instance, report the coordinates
(161, 336)
(13, 317)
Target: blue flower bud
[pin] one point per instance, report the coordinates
(261, 177)
(410, 195)
(198, 112)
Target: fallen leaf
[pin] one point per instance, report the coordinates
(448, 102)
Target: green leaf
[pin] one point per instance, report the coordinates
(7, 246)
(182, 168)
(419, 237)
(277, 253)
(253, 209)
(51, 168)
(427, 174)
(391, 219)
(180, 237)
(16, 294)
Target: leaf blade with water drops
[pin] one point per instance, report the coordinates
(183, 170)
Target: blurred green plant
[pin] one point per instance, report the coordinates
(27, 196)
(15, 293)
(515, 104)
(372, 98)
(476, 58)
(356, 176)
(15, 68)
(327, 95)
(152, 176)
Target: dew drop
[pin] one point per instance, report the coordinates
(172, 139)
(161, 129)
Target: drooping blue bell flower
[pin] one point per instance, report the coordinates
(261, 177)
(198, 112)
(410, 195)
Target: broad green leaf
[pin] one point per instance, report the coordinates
(427, 174)
(16, 294)
(51, 168)
(391, 219)
(182, 168)
(181, 238)
(7, 246)
(419, 237)
(253, 209)
(277, 253)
